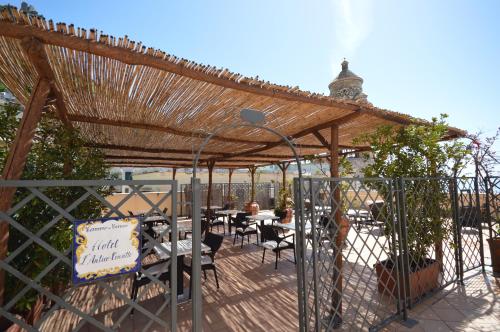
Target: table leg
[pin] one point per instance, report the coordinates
(229, 224)
(261, 236)
(180, 275)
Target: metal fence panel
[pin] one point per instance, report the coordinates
(349, 273)
(265, 194)
(40, 222)
(430, 238)
(470, 223)
(374, 247)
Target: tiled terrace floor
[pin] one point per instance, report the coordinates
(256, 297)
(475, 306)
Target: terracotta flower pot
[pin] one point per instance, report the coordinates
(494, 244)
(422, 280)
(252, 207)
(288, 216)
(344, 229)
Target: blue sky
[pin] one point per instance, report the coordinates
(416, 57)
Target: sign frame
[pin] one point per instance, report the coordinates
(80, 240)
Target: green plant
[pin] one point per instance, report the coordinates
(417, 151)
(284, 200)
(56, 153)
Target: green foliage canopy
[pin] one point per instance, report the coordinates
(56, 153)
(418, 152)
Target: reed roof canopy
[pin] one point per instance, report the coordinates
(145, 107)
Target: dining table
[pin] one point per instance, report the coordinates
(262, 218)
(184, 247)
(182, 226)
(358, 216)
(155, 219)
(212, 207)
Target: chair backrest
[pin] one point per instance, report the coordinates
(327, 221)
(210, 215)
(204, 226)
(269, 233)
(214, 241)
(376, 210)
(241, 217)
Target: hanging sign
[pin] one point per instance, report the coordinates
(104, 248)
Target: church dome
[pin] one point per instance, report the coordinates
(347, 85)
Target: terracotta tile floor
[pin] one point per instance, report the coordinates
(475, 306)
(256, 297)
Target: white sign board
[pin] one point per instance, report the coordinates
(105, 247)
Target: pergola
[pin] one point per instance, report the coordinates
(146, 108)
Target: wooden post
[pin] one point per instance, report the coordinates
(229, 185)
(16, 160)
(252, 170)
(335, 190)
(174, 172)
(283, 167)
(210, 165)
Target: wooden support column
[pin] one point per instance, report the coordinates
(16, 160)
(210, 165)
(174, 172)
(229, 185)
(283, 167)
(336, 208)
(252, 170)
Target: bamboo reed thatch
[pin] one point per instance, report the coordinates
(134, 101)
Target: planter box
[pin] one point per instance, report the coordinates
(494, 244)
(422, 280)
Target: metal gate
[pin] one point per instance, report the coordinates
(362, 243)
(38, 266)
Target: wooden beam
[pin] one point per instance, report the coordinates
(173, 131)
(16, 160)
(336, 122)
(141, 149)
(128, 56)
(38, 57)
(180, 151)
(322, 139)
(189, 166)
(147, 126)
(118, 157)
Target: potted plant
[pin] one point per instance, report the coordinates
(415, 151)
(494, 244)
(230, 204)
(284, 207)
(56, 154)
(252, 206)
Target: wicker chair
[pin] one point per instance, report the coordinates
(214, 241)
(276, 243)
(243, 227)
